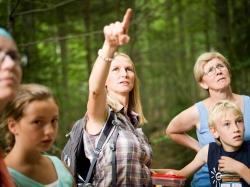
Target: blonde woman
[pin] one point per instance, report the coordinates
(113, 86)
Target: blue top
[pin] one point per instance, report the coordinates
(64, 178)
(215, 151)
(205, 137)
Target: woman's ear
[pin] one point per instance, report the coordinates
(203, 85)
(12, 126)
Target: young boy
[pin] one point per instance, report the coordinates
(230, 154)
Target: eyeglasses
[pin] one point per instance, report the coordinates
(14, 55)
(212, 70)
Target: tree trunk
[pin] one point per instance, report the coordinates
(222, 26)
(87, 39)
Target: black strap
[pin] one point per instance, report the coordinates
(104, 134)
(113, 148)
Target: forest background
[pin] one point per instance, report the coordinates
(59, 40)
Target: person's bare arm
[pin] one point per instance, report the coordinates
(227, 164)
(116, 34)
(199, 160)
(181, 124)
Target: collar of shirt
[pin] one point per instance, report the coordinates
(117, 107)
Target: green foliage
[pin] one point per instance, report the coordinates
(61, 40)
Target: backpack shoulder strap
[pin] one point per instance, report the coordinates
(73, 153)
(113, 149)
(103, 137)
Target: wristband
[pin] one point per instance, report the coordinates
(106, 59)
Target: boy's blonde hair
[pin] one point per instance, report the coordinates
(220, 110)
(203, 59)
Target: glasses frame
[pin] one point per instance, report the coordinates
(14, 55)
(212, 70)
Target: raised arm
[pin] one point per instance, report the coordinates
(116, 34)
(181, 124)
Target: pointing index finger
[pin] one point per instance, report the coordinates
(126, 20)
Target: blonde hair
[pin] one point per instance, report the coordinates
(203, 59)
(26, 93)
(220, 110)
(134, 95)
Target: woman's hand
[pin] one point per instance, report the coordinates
(116, 34)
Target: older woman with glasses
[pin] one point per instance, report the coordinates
(212, 73)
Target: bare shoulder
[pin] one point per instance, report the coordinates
(11, 160)
(184, 121)
(95, 123)
(203, 153)
(239, 100)
(189, 115)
